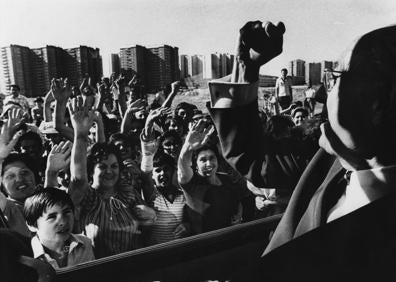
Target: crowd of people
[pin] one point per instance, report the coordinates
(97, 171)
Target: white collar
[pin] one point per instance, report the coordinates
(38, 249)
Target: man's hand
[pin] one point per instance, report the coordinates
(180, 231)
(59, 157)
(60, 89)
(256, 45)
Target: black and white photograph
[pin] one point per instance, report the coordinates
(197, 140)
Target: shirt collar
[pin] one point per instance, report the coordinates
(38, 249)
(369, 185)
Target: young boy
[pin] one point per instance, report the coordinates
(50, 214)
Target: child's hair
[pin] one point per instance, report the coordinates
(162, 159)
(40, 201)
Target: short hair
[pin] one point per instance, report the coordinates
(162, 159)
(37, 204)
(171, 134)
(15, 86)
(99, 152)
(302, 110)
(24, 158)
(39, 99)
(30, 135)
(284, 70)
(204, 148)
(129, 140)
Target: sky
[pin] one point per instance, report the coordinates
(315, 29)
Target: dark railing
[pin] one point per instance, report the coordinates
(212, 255)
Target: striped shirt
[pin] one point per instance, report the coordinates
(169, 216)
(110, 222)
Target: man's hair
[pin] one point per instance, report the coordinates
(15, 86)
(98, 153)
(303, 110)
(24, 158)
(371, 71)
(39, 99)
(30, 135)
(284, 70)
(129, 140)
(162, 159)
(171, 134)
(37, 204)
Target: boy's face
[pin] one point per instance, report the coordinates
(162, 176)
(18, 181)
(55, 224)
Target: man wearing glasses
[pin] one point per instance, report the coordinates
(340, 224)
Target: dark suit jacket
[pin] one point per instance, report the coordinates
(360, 246)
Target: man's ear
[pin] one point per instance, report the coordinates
(32, 228)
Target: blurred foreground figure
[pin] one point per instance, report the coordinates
(340, 224)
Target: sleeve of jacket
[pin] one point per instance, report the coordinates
(245, 148)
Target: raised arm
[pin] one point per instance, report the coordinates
(197, 136)
(149, 147)
(174, 89)
(47, 106)
(134, 107)
(82, 120)
(234, 108)
(61, 92)
(58, 159)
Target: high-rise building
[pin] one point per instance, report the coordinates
(115, 64)
(313, 73)
(33, 69)
(184, 60)
(217, 65)
(156, 67)
(324, 65)
(47, 62)
(297, 71)
(84, 61)
(16, 69)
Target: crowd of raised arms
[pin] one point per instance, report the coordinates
(104, 171)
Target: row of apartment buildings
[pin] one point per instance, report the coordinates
(304, 73)
(33, 69)
(156, 67)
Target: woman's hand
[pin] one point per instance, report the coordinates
(59, 157)
(81, 116)
(8, 136)
(198, 135)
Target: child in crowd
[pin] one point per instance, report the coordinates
(50, 215)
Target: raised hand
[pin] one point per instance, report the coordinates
(198, 135)
(137, 106)
(81, 116)
(256, 45)
(61, 90)
(157, 113)
(8, 137)
(59, 157)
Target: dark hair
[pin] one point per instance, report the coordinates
(278, 124)
(30, 135)
(171, 133)
(129, 140)
(284, 70)
(98, 153)
(24, 158)
(304, 111)
(39, 99)
(189, 108)
(204, 148)
(40, 201)
(161, 159)
(15, 86)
